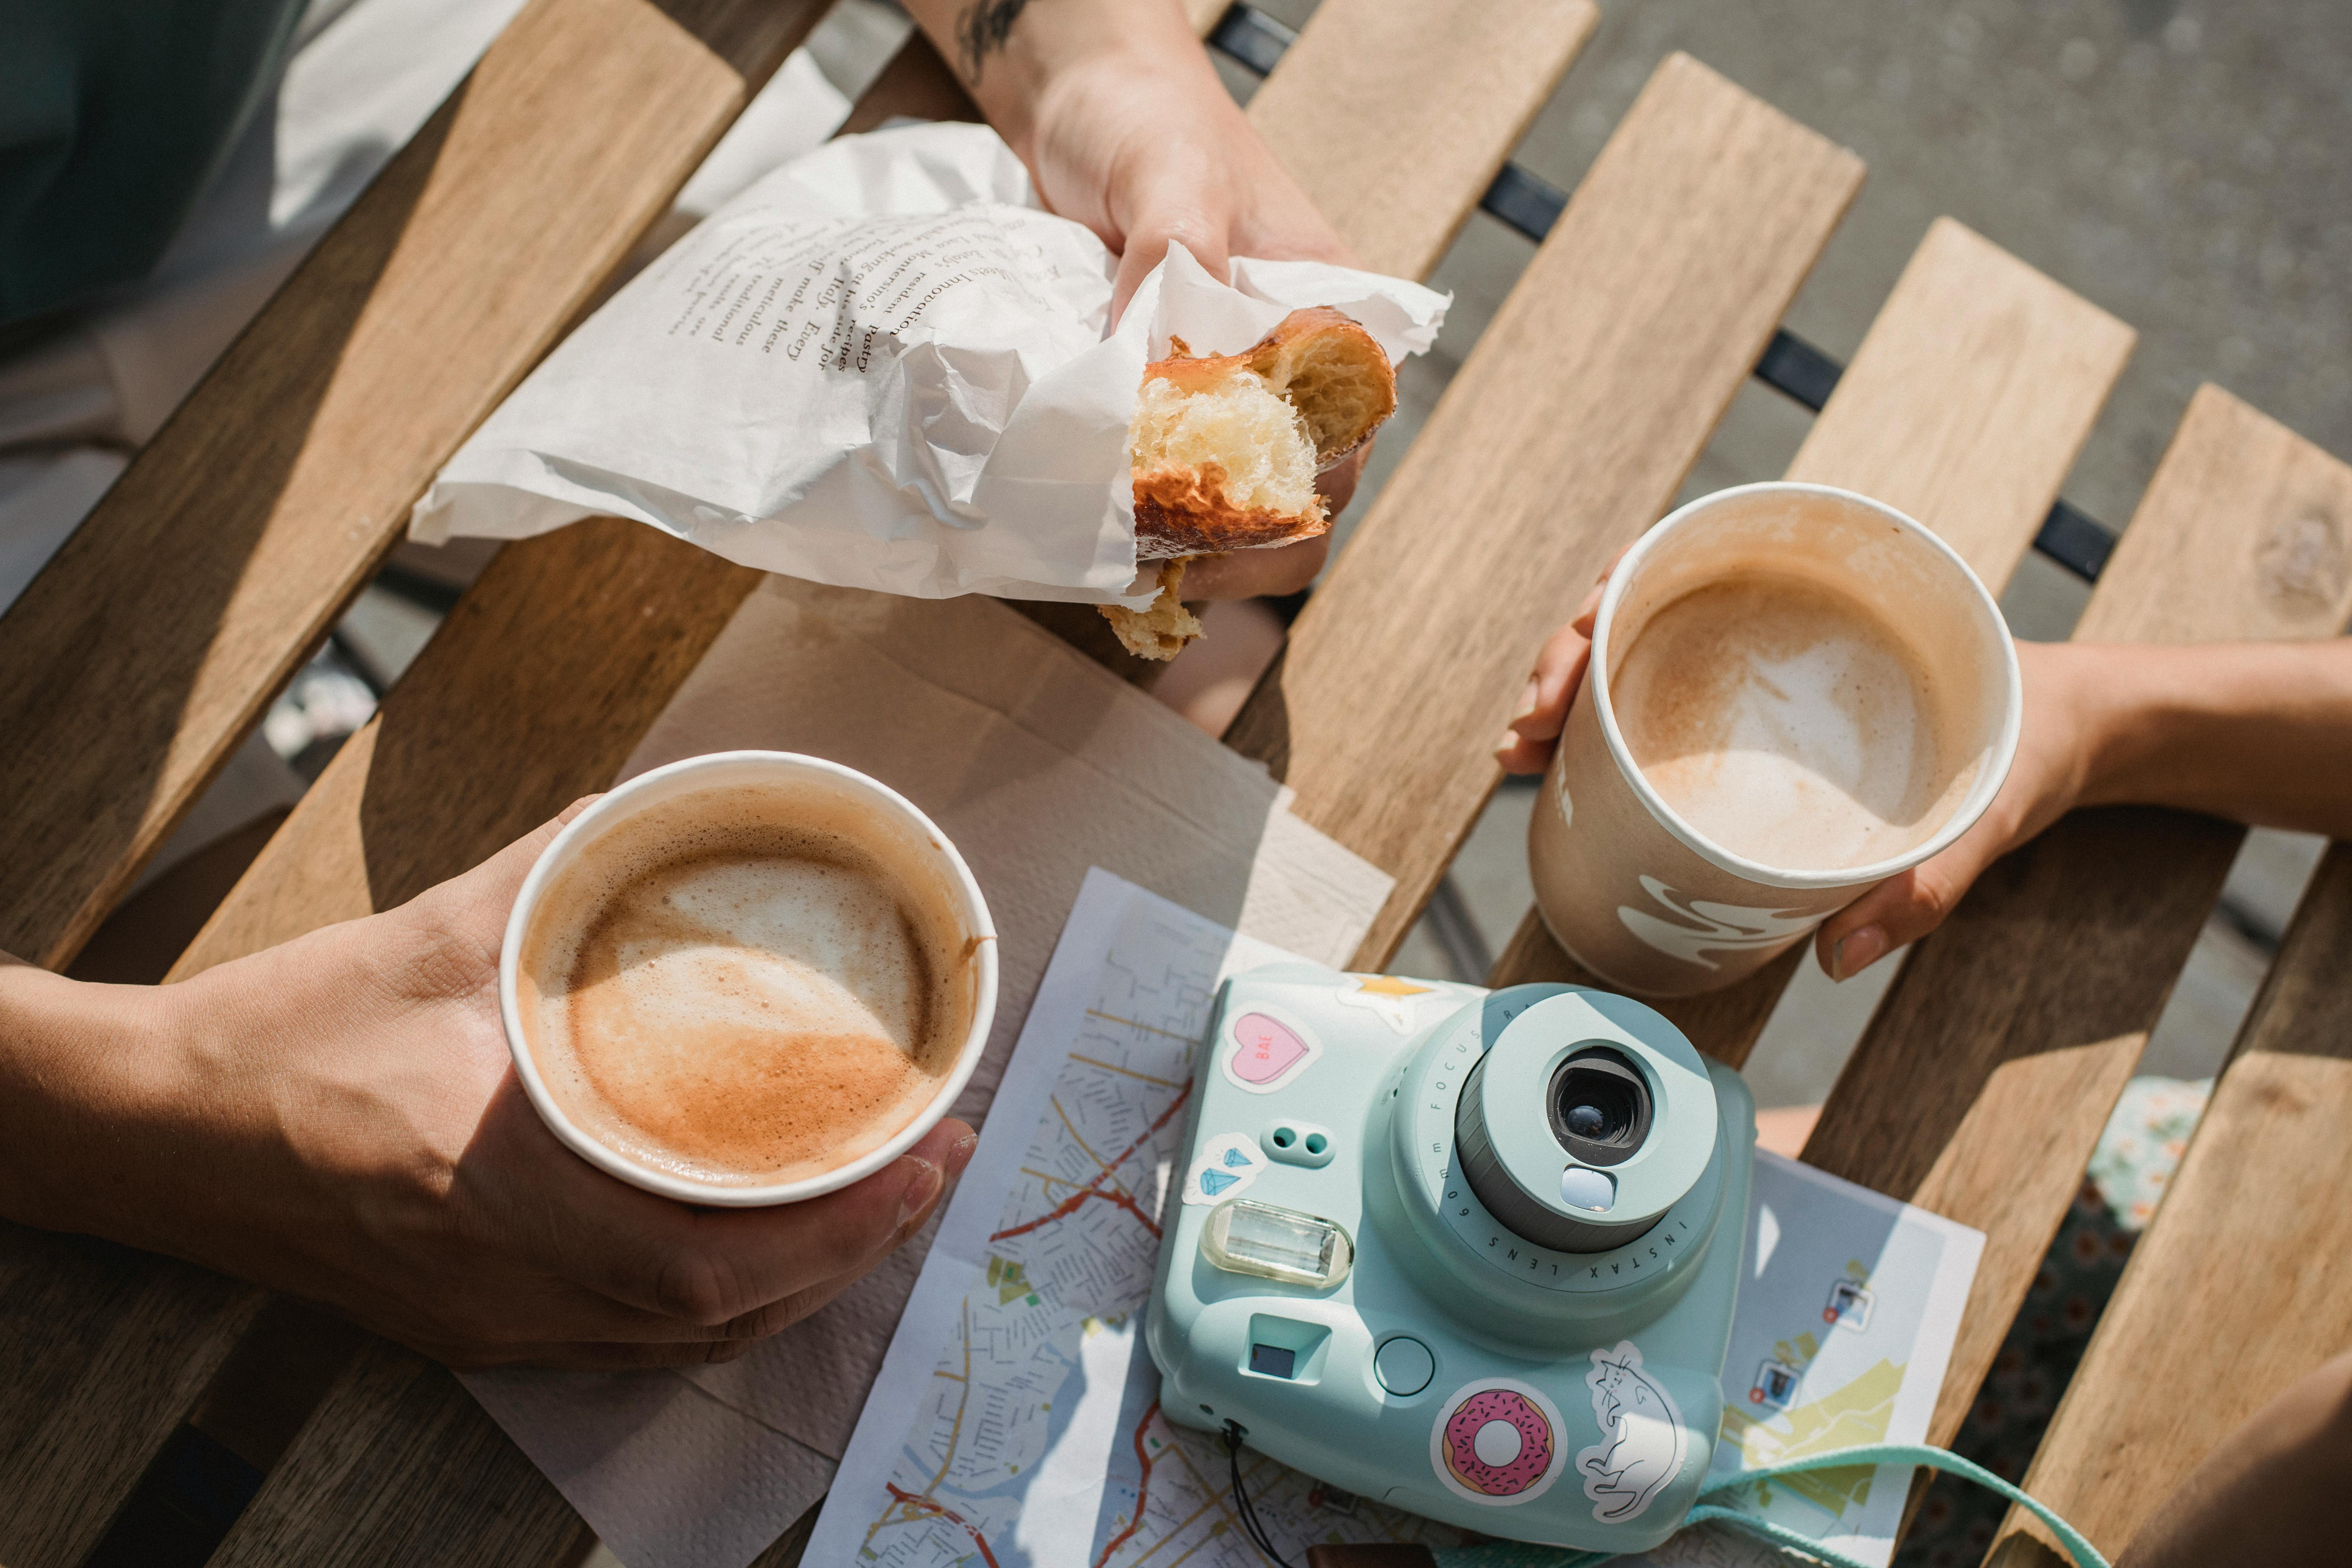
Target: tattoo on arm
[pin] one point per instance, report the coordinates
(981, 31)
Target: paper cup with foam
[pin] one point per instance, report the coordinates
(940, 915)
(1798, 787)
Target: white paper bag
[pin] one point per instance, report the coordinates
(881, 366)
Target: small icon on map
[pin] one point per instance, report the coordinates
(1848, 1306)
(1776, 1386)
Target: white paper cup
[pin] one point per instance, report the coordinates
(917, 839)
(1631, 889)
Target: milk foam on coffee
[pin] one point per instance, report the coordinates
(1792, 724)
(744, 986)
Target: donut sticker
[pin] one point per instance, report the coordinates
(1497, 1442)
(1266, 1053)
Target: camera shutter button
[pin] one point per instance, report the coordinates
(1404, 1365)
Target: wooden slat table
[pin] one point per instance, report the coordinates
(2243, 1281)
(600, 624)
(248, 523)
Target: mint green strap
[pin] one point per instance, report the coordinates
(1524, 1554)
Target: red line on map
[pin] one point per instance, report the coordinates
(913, 1501)
(1142, 1485)
(1069, 1205)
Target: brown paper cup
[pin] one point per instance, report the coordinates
(1632, 891)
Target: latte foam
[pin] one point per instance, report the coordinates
(740, 986)
(1792, 724)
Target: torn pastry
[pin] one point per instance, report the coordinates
(1225, 449)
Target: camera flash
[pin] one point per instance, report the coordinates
(1584, 1189)
(1246, 1238)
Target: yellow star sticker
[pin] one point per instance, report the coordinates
(1390, 985)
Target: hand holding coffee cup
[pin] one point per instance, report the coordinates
(747, 979)
(1805, 695)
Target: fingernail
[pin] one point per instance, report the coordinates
(1510, 739)
(1528, 700)
(1855, 952)
(922, 1190)
(959, 1154)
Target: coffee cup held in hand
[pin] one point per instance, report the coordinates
(747, 978)
(1795, 692)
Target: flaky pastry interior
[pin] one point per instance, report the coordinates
(1224, 450)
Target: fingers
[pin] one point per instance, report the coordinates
(721, 1273)
(1336, 484)
(1534, 725)
(1527, 739)
(1181, 219)
(1901, 910)
(1256, 574)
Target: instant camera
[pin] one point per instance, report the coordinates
(1472, 1254)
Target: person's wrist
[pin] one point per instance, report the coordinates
(1067, 64)
(2119, 730)
(86, 1072)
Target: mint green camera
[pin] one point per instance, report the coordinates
(1473, 1254)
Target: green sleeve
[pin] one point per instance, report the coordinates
(113, 116)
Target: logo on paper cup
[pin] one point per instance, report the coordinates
(1711, 927)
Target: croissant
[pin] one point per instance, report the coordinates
(1226, 448)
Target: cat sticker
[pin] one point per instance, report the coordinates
(1224, 1168)
(1642, 1440)
(1263, 1053)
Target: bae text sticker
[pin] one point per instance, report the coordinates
(1642, 1441)
(1224, 1168)
(1262, 1052)
(1497, 1442)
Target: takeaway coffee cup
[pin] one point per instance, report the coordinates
(1795, 692)
(747, 978)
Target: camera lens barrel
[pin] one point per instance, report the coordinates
(1509, 1201)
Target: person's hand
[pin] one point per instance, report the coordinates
(2055, 754)
(1533, 731)
(1114, 107)
(2056, 747)
(338, 1118)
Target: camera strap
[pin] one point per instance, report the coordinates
(1527, 1554)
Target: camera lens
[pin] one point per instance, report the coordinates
(1600, 1106)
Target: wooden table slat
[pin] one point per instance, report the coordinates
(212, 568)
(1980, 1087)
(1330, 112)
(532, 692)
(1977, 385)
(103, 1350)
(236, 537)
(1565, 433)
(398, 1468)
(2244, 1280)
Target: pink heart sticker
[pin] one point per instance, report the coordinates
(1267, 1049)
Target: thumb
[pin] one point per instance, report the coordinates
(1901, 910)
(1147, 246)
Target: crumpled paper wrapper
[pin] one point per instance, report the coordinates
(881, 366)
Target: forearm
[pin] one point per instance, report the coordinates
(2260, 733)
(1012, 54)
(82, 1069)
